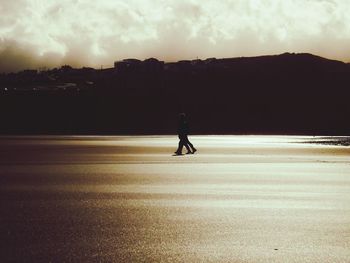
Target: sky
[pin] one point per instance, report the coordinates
(50, 33)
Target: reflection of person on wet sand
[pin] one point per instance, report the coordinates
(183, 130)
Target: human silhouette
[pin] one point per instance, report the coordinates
(183, 130)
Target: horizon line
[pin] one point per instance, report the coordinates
(99, 67)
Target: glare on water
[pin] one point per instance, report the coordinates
(238, 199)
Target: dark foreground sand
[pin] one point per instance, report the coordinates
(126, 199)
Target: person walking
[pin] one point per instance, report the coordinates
(183, 131)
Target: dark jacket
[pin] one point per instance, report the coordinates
(183, 128)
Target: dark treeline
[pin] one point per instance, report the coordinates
(284, 94)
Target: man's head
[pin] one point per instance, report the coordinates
(182, 116)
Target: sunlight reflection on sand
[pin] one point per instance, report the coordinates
(238, 199)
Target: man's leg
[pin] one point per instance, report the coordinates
(187, 141)
(181, 144)
(187, 147)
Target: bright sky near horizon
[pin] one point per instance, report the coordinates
(36, 33)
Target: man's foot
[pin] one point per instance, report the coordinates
(178, 153)
(194, 150)
(189, 152)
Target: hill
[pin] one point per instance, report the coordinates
(282, 94)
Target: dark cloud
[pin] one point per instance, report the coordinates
(15, 57)
(93, 33)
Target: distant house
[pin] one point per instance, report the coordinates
(134, 65)
(210, 60)
(152, 65)
(197, 62)
(127, 65)
(180, 66)
(184, 62)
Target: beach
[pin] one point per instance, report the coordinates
(128, 199)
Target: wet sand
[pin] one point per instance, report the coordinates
(127, 199)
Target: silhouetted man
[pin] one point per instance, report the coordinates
(183, 130)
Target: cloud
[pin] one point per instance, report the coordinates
(80, 32)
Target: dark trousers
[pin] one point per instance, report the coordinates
(184, 141)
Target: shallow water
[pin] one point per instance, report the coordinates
(127, 199)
